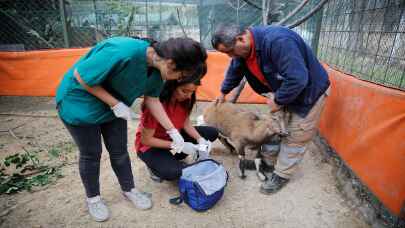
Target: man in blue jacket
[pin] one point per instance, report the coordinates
(276, 61)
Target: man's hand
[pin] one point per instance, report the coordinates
(274, 107)
(121, 110)
(221, 98)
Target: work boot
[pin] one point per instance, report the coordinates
(97, 209)
(273, 184)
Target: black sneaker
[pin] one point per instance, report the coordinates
(273, 184)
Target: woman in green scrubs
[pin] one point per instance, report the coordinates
(94, 97)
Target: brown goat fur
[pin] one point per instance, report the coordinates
(241, 129)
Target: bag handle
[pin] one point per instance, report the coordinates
(227, 177)
(176, 200)
(179, 199)
(208, 159)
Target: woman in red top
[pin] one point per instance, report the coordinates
(152, 143)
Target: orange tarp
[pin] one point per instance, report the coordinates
(35, 73)
(211, 83)
(38, 73)
(363, 122)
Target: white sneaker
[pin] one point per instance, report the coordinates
(97, 209)
(140, 200)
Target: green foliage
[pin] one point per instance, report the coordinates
(125, 13)
(17, 159)
(27, 173)
(54, 152)
(24, 171)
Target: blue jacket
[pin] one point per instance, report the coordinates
(289, 66)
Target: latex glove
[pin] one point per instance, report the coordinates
(178, 141)
(191, 149)
(121, 110)
(176, 148)
(202, 154)
(204, 148)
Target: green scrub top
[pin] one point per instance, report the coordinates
(117, 64)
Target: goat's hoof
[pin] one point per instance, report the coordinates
(241, 175)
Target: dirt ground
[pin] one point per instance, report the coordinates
(311, 199)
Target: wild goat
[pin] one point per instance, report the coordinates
(241, 129)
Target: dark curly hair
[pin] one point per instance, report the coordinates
(188, 54)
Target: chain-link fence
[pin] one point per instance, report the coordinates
(37, 24)
(365, 38)
(42, 24)
(28, 25)
(362, 37)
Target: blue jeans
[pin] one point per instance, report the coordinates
(88, 140)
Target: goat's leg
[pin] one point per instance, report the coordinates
(242, 167)
(242, 161)
(225, 142)
(259, 164)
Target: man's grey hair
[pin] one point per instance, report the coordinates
(226, 35)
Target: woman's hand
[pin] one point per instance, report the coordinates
(178, 141)
(121, 110)
(204, 148)
(191, 149)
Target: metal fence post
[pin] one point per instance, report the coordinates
(62, 10)
(318, 25)
(146, 18)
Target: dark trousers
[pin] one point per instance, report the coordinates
(88, 140)
(168, 166)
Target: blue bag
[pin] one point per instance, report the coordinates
(202, 184)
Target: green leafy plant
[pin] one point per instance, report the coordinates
(54, 152)
(28, 172)
(17, 159)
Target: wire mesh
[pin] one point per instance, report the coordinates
(42, 24)
(81, 23)
(366, 39)
(361, 37)
(30, 25)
